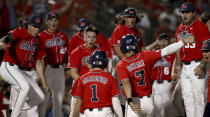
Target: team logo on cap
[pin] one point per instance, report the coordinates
(38, 20)
(82, 24)
(205, 45)
(53, 14)
(184, 6)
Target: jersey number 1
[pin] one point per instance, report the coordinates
(140, 75)
(94, 93)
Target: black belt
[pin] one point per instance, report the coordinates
(146, 95)
(55, 66)
(189, 62)
(161, 81)
(99, 109)
(21, 68)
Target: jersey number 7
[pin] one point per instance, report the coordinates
(140, 75)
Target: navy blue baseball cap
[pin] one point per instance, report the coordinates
(206, 46)
(164, 36)
(129, 12)
(189, 7)
(35, 20)
(82, 24)
(22, 21)
(51, 15)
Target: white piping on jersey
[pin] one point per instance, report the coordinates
(185, 29)
(133, 58)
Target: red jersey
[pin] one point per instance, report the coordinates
(79, 58)
(24, 50)
(122, 30)
(77, 40)
(163, 67)
(137, 69)
(197, 29)
(97, 88)
(56, 47)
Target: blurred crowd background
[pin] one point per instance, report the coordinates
(159, 16)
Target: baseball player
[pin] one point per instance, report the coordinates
(206, 53)
(56, 46)
(23, 53)
(134, 73)
(128, 26)
(161, 74)
(78, 62)
(192, 82)
(97, 91)
(78, 38)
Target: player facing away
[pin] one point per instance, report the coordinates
(55, 44)
(97, 91)
(162, 85)
(23, 54)
(192, 81)
(134, 74)
(78, 62)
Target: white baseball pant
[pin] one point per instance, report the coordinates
(31, 106)
(193, 90)
(56, 80)
(105, 112)
(162, 93)
(22, 82)
(146, 107)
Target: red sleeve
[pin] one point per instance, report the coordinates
(71, 44)
(40, 52)
(102, 41)
(115, 91)
(74, 59)
(117, 35)
(74, 87)
(202, 32)
(141, 43)
(122, 72)
(79, 90)
(15, 33)
(151, 57)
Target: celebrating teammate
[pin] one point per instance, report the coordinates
(127, 26)
(23, 53)
(192, 82)
(161, 74)
(97, 90)
(55, 44)
(134, 73)
(78, 38)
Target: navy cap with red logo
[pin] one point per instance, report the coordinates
(206, 46)
(164, 36)
(82, 24)
(129, 12)
(51, 15)
(187, 7)
(35, 20)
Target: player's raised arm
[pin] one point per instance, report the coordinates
(176, 46)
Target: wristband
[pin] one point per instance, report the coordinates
(202, 65)
(129, 100)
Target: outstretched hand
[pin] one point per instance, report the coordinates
(134, 107)
(189, 39)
